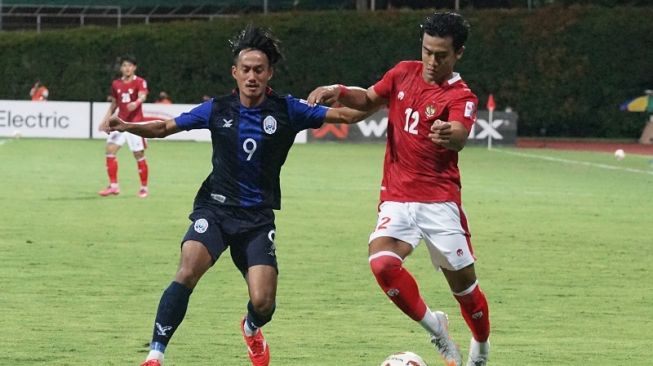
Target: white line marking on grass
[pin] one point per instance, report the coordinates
(568, 161)
(2, 142)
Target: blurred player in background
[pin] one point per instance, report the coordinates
(127, 95)
(252, 130)
(39, 93)
(431, 111)
(163, 98)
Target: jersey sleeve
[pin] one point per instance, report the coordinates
(196, 118)
(302, 116)
(142, 87)
(463, 109)
(383, 87)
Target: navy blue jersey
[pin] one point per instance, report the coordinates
(249, 146)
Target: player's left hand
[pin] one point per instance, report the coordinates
(324, 95)
(115, 124)
(441, 132)
(131, 106)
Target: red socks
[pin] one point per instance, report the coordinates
(112, 169)
(142, 171)
(474, 309)
(398, 284)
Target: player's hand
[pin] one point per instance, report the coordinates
(132, 106)
(324, 95)
(441, 132)
(115, 124)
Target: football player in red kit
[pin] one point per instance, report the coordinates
(431, 112)
(127, 95)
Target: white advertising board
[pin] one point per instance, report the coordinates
(44, 119)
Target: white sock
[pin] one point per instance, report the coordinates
(249, 331)
(479, 349)
(431, 323)
(113, 185)
(155, 355)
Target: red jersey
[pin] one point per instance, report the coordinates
(415, 169)
(39, 94)
(126, 92)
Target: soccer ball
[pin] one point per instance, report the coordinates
(403, 359)
(619, 154)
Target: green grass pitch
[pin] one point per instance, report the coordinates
(563, 238)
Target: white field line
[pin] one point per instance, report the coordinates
(568, 161)
(2, 142)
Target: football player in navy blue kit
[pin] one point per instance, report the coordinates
(252, 130)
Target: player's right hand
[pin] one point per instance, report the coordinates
(324, 95)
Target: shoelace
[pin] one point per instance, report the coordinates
(258, 345)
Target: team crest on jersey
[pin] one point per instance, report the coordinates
(269, 125)
(130, 90)
(469, 109)
(400, 95)
(201, 226)
(430, 111)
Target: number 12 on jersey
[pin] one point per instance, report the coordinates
(412, 120)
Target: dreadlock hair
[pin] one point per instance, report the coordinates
(444, 24)
(256, 38)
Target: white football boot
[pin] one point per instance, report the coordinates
(478, 353)
(443, 343)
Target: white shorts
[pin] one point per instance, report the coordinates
(442, 225)
(135, 142)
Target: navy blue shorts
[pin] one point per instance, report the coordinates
(249, 234)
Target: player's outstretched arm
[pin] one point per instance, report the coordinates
(350, 96)
(347, 115)
(157, 128)
(451, 135)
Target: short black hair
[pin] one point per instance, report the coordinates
(444, 24)
(129, 58)
(256, 38)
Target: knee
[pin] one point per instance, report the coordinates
(188, 276)
(262, 304)
(385, 262)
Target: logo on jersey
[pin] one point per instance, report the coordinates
(401, 95)
(227, 122)
(430, 111)
(269, 125)
(218, 197)
(201, 226)
(469, 109)
(130, 90)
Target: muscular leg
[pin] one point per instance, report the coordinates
(195, 261)
(386, 258)
(473, 304)
(262, 286)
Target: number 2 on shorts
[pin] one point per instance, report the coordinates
(383, 223)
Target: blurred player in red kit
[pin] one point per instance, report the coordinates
(431, 112)
(127, 95)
